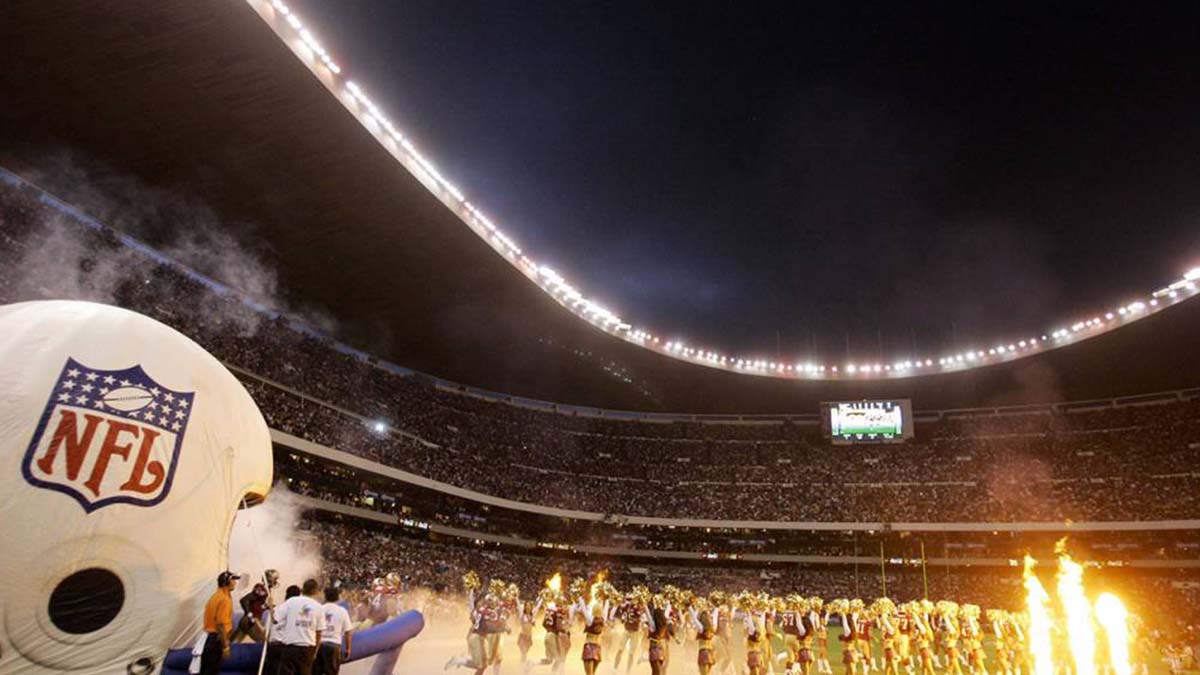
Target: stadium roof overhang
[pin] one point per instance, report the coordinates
(207, 100)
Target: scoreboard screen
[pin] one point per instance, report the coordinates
(847, 422)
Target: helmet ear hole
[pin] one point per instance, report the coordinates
(86, 601)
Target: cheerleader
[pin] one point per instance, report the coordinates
(659, 631)
(723, 642)
(611, 624)
(972, 635)
(888, 636)
(1000, 629)
(526, 615)
(809, 627)
(820, 621)
(849, 619)
(939, 636)
(675, 625)
(754, 623)
(1014, 639)
(948, 613)
(923, 632)
(704, 622)
(771, 631)
(594, 617)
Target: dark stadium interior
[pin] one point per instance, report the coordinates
(354, 237)
(428, 414)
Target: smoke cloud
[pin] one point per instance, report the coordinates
(265, 537)
(61, 261)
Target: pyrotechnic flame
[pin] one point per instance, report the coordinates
(554, 583)
(1078, 614)
(600, 576)
(1114, 619)
(1037, 601)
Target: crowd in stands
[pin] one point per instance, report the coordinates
(335, 483)
(1130, 463)
(354, 554)
(1140, 471)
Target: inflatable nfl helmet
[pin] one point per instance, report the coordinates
(125, 451)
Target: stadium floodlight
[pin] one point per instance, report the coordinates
(305, 45)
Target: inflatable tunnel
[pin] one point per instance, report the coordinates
(383, 641)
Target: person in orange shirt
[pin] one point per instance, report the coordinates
(218, 624)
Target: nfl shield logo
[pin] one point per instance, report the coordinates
(108, 437)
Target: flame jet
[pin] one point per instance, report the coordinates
(1037, 601)
(1078, 613)
(1111, 614)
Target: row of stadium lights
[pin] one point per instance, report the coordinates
(566, 295)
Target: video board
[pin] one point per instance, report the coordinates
(867, 421)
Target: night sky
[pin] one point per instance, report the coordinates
(889, 174)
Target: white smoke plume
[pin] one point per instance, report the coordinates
(59, 259)
(59, 263)
(265, 537)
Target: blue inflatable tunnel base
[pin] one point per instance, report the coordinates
(384, 641)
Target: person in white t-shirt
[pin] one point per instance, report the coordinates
(338, 634)
(300, 622)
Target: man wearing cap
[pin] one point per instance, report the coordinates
(218, 623)
(301, 620)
